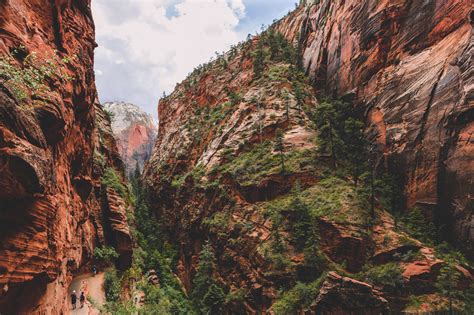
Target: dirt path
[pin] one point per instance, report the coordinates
(92, 288)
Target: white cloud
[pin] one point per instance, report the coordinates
(145, 50)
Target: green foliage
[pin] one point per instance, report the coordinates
(119, 308)
(112, 179)
(417, 226)
(218, 223)
(105, 254)
(298, 298)
(155, 252)
(258, 60)
(112, 285)
(248, 167)
(206, 293)
(301, 224)
(447, 282)
(197, 173)
(280, 149)
(388, 276)
(340, 134)
(30, 79)
(236, 296)
(234, 98)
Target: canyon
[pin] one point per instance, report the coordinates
(55, 144)
(323, 166)
(214, 175)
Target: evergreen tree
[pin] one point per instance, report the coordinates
(280, 149)
(258, 61)
(274, 44)
(300, 223)
(447, 282)
(206, 293)
(325, 118)
(286, 98)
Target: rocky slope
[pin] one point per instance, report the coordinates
(54, 148)
(135, 131)
(216, 175)
(409, 64)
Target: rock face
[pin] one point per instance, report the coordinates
(51, 217)
(342, 295)
(216, 173)
(409, 63)
(135, 131)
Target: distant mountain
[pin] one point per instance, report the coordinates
(135, 131)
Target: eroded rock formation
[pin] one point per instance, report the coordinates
(50, 201)
(135, 131)
(409, 63)
(215, 173)
(341, 295)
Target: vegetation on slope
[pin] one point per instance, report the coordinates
(353, 188)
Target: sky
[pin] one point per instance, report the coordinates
(147, 46)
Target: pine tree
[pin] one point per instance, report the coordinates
(300, 222)
(280, 149)
(325, 118)
(259, 61)
(286, 98)
(447, 282)
(206, 293)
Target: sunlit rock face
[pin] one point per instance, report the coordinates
(51, 213)
(135, 131)
(211, 176)
(409, 63)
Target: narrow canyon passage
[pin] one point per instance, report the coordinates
(324, 165)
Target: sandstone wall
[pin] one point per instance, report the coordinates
(50, 211)
(410, 64)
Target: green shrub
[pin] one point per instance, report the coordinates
(31, 77)
(298, 298)
(388, 276)
(417, 226)
(112, 179)
(105, 254)
(112, 285)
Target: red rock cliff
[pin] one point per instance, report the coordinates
(135, 131)
(50, 189)
(410, 64)
(215, 176)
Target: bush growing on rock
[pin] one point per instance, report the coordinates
(105, 254)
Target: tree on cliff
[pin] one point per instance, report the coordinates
(325, 119)
(258, 61)
(280, 149)
(206, 293)
(447, 282)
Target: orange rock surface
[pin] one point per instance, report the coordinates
(50, 204)
(410, 64)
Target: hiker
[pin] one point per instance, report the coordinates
(82, 299)
(73, 299)
(94, 270)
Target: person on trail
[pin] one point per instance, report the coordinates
(94, 270)
(73, 299)
(82, 299)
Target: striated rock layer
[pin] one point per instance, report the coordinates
(51, 216)
(341, 295)
(409, 63)
(135, 131)
(215, 174)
